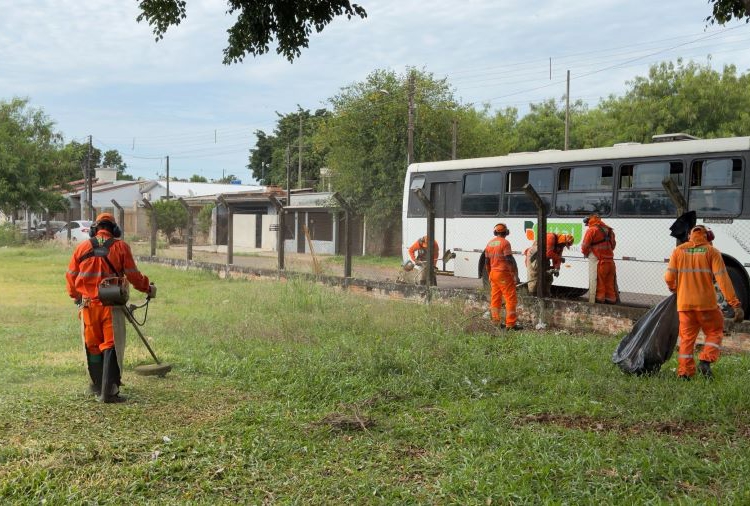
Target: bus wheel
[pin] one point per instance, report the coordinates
(740, 289)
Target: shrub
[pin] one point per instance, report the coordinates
(10, 235)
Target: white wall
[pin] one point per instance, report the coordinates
(268, 240)
(244, 231)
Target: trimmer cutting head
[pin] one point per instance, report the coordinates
(153, 369)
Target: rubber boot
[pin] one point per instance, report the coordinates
(705, 368)
(95, 365)
(110, 392)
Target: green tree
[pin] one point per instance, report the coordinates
(30, 159)
(258, 22)
(113, 158)
(76, 154)
(268, 159)
(365, 137)
(204, 218)
(195, 178)
(170, 216)
(723, 11)
(690, 98)
(227, 179)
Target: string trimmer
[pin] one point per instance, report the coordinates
(159, 368)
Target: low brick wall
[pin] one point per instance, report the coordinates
(575, 316)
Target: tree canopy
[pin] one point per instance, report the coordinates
(268, 159)
(723, 11)
(31, 161)
(258, 23)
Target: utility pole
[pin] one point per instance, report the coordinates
(288, 174)
(89, 183)
(410, 133)
(299, 142)
(567, 111)
(455, 139)
(167, 177)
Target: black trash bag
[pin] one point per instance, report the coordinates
(651, 341)
(682, 226)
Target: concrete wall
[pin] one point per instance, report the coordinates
(244, 231)
(574, 316)
(268, 238)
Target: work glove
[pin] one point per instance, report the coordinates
(739, 315)
(556, 272)
(78, 301)
(151, 291)
(562, 260)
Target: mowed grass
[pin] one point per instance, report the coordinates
(295, 393)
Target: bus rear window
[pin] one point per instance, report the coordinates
(716, 187)
(481, 193)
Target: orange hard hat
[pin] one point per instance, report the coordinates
(500, 228)
(565, 239)
(106, 217)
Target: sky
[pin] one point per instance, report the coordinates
(95, 71)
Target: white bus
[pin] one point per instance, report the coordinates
(623, 184)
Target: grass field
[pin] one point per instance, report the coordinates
(293, 393)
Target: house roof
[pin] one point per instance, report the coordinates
(187, 189)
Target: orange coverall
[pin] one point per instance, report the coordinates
(83, 280)
(502, 274)
(600, 240)
(554, 251)
(692, 269)
(418, 251)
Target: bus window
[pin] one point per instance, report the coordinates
(481, 193)
(416, 209)
(585, 190)
(516, 202)
(641, 192)
(716, 187)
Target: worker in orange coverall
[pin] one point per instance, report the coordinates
(418, 250)
(693, 267)
(503, 273)
(600, 240)
(556, 243)
(103, 256)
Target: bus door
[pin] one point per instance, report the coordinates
(441, 198)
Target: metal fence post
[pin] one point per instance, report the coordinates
(430, 234)
(189, 228)
(541, 240)
(120, 216)
(348, 211)
(152, 223)
(230, 229)
(70, 219)
(280, 232)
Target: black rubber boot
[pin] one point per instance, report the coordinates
(95, 365)
(705, 368)
(110, 392)
(516, 327)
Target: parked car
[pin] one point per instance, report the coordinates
(79, 231)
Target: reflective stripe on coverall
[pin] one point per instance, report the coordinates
(692, 269)
(600, 240)
(103, 327)
(502, 280)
